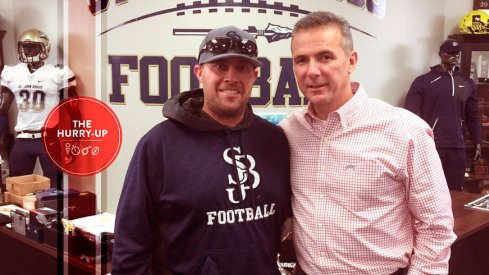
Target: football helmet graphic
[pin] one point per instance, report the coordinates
(474, 22)
(33, 46)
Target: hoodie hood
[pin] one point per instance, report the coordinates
(186, 108)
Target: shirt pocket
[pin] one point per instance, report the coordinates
(368, 183)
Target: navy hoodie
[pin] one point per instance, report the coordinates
(201, 198)
(447, 101)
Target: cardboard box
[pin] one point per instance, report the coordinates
(27, 202)
(85, 204)
(23, 185)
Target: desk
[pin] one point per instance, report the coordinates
(20, 256)
(467, 221)
(470, 252)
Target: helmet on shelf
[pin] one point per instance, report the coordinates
(33, 46)
(474, 22)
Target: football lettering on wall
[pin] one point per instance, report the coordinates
(277, 90)
(286, 86)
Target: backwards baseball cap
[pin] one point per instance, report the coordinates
(227, 42)
(450, 46)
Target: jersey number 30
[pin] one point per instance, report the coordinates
(34, 101)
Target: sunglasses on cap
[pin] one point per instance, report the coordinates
(221, 45)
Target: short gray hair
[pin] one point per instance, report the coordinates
(326, 19)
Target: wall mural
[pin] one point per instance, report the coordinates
(275, 91)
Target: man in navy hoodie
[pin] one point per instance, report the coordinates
(447, 101)
(207, 190)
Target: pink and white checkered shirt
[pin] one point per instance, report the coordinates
(360, 179)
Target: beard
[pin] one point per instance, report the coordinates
(222, 112)
(226, 112)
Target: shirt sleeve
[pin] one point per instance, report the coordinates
(430, 204)
(66, 77)
(4, 76)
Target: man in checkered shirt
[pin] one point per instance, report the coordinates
(369, 193)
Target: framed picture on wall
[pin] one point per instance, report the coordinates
(481, 5)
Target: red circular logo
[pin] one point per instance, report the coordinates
(82, 136)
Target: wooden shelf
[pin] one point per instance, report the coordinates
(471, 38)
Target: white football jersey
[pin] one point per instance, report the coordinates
(36, 93)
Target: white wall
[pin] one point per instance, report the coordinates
(407, 46)
(6, 23)
(402, 40)
(20, 15)
(454, 11)
(442, 16)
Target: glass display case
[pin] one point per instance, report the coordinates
(479, 72)
(479, 67)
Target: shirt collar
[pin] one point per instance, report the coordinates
(346, 113)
